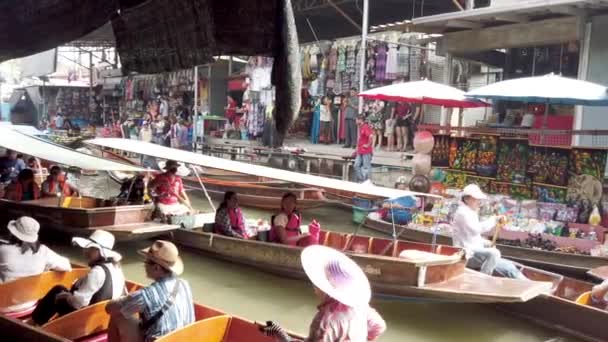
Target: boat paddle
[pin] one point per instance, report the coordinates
(499, 225)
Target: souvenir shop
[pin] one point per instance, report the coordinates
(163, 94)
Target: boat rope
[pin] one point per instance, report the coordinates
(203, 187)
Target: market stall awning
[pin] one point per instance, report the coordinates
(26, 144)
(424, 92)
(140, 147)
(551, 89)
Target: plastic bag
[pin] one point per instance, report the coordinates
(314, 230)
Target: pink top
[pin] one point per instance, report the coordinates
(336, 322)
(168, 189)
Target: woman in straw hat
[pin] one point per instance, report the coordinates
(467, 234)
(344, 294)
(22, 255)
(164, 306)
(104, 281)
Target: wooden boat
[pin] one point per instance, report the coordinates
(258, 194)
(432, 276)
(575, 265)
(80, 215)
(90, 324)
(566, 308)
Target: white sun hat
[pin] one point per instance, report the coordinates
(102, 240)
(474, 191)
(24, 228)
(336, 275)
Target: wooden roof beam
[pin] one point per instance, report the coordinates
(512, 18)
(569, 10)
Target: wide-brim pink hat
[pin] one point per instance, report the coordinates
(336, 275)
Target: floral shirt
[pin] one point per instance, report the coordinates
(336, 322)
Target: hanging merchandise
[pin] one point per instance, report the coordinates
(370, 69)
(341, 66)
(391, 62)
(314, 61)
(333, 58)
(357, 74)
(351, 57)
(322, 76)
(380, 62)
(415, 64)
(403, 62)
(306, 73)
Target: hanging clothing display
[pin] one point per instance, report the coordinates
(391, 62)
(333, 59)
(341, 67)
(403, 61)
(370, 69)
(380, 72)
(314, 61)
(315, 125)
(351, 57)
(357, 74)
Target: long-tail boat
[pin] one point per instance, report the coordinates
(395, 270)
(575, 265)
(78, 215)
(90, 324)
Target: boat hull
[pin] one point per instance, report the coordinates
(83, 215)
(389, 277)
(568, 264)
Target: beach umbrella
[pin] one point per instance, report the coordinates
(423, 92)
(548, 89)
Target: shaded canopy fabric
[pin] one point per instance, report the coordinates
(552, 89)
(26, 144)
(141, 147)
(424, 92)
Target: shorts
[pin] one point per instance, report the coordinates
(402, 122)
(389, 127)
(175, 209)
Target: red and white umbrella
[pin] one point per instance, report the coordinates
(424, 92)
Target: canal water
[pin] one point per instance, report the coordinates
(259, 296)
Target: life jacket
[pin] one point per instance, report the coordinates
(105, 292)
(292, 229)
(236, 222)
(166, 189)
(14, 192)
(65, 189)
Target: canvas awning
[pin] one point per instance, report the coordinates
(26, 144)
(149, 149)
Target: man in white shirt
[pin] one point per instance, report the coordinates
(104, 281)
(467, 234)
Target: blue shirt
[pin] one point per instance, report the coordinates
(10, 168)
(149, 300)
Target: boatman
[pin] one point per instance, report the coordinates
(56, 185)
(344, 293)
(171, 198)
(467, 230)
(164, 306)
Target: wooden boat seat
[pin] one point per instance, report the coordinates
(584, 298)
(335, 240)
(208, 330)
(28, 289)
(418, 256)
(88, 321)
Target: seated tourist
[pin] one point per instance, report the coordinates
(22, 255)
(467, 230)
(56, 184)
(229, 219)
(171, 198)
(164, 306)
(344, 293)
(104, 281)
(10, 166)
(24, 188)
(285, 226)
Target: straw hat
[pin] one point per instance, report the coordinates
(171, 163)
(336, 275)
(24, 228)
(165, 254)
(102, 240)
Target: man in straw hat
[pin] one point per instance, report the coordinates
(171, 198)
(22, 255)
(344, 293)
(164, 306)
(104, 281)
(467, 230)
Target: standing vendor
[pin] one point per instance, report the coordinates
(467, 230)
(169, 189)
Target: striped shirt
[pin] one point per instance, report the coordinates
(149, 300)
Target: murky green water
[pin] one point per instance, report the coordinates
(259, 296)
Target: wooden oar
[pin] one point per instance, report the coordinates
(497, 231)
